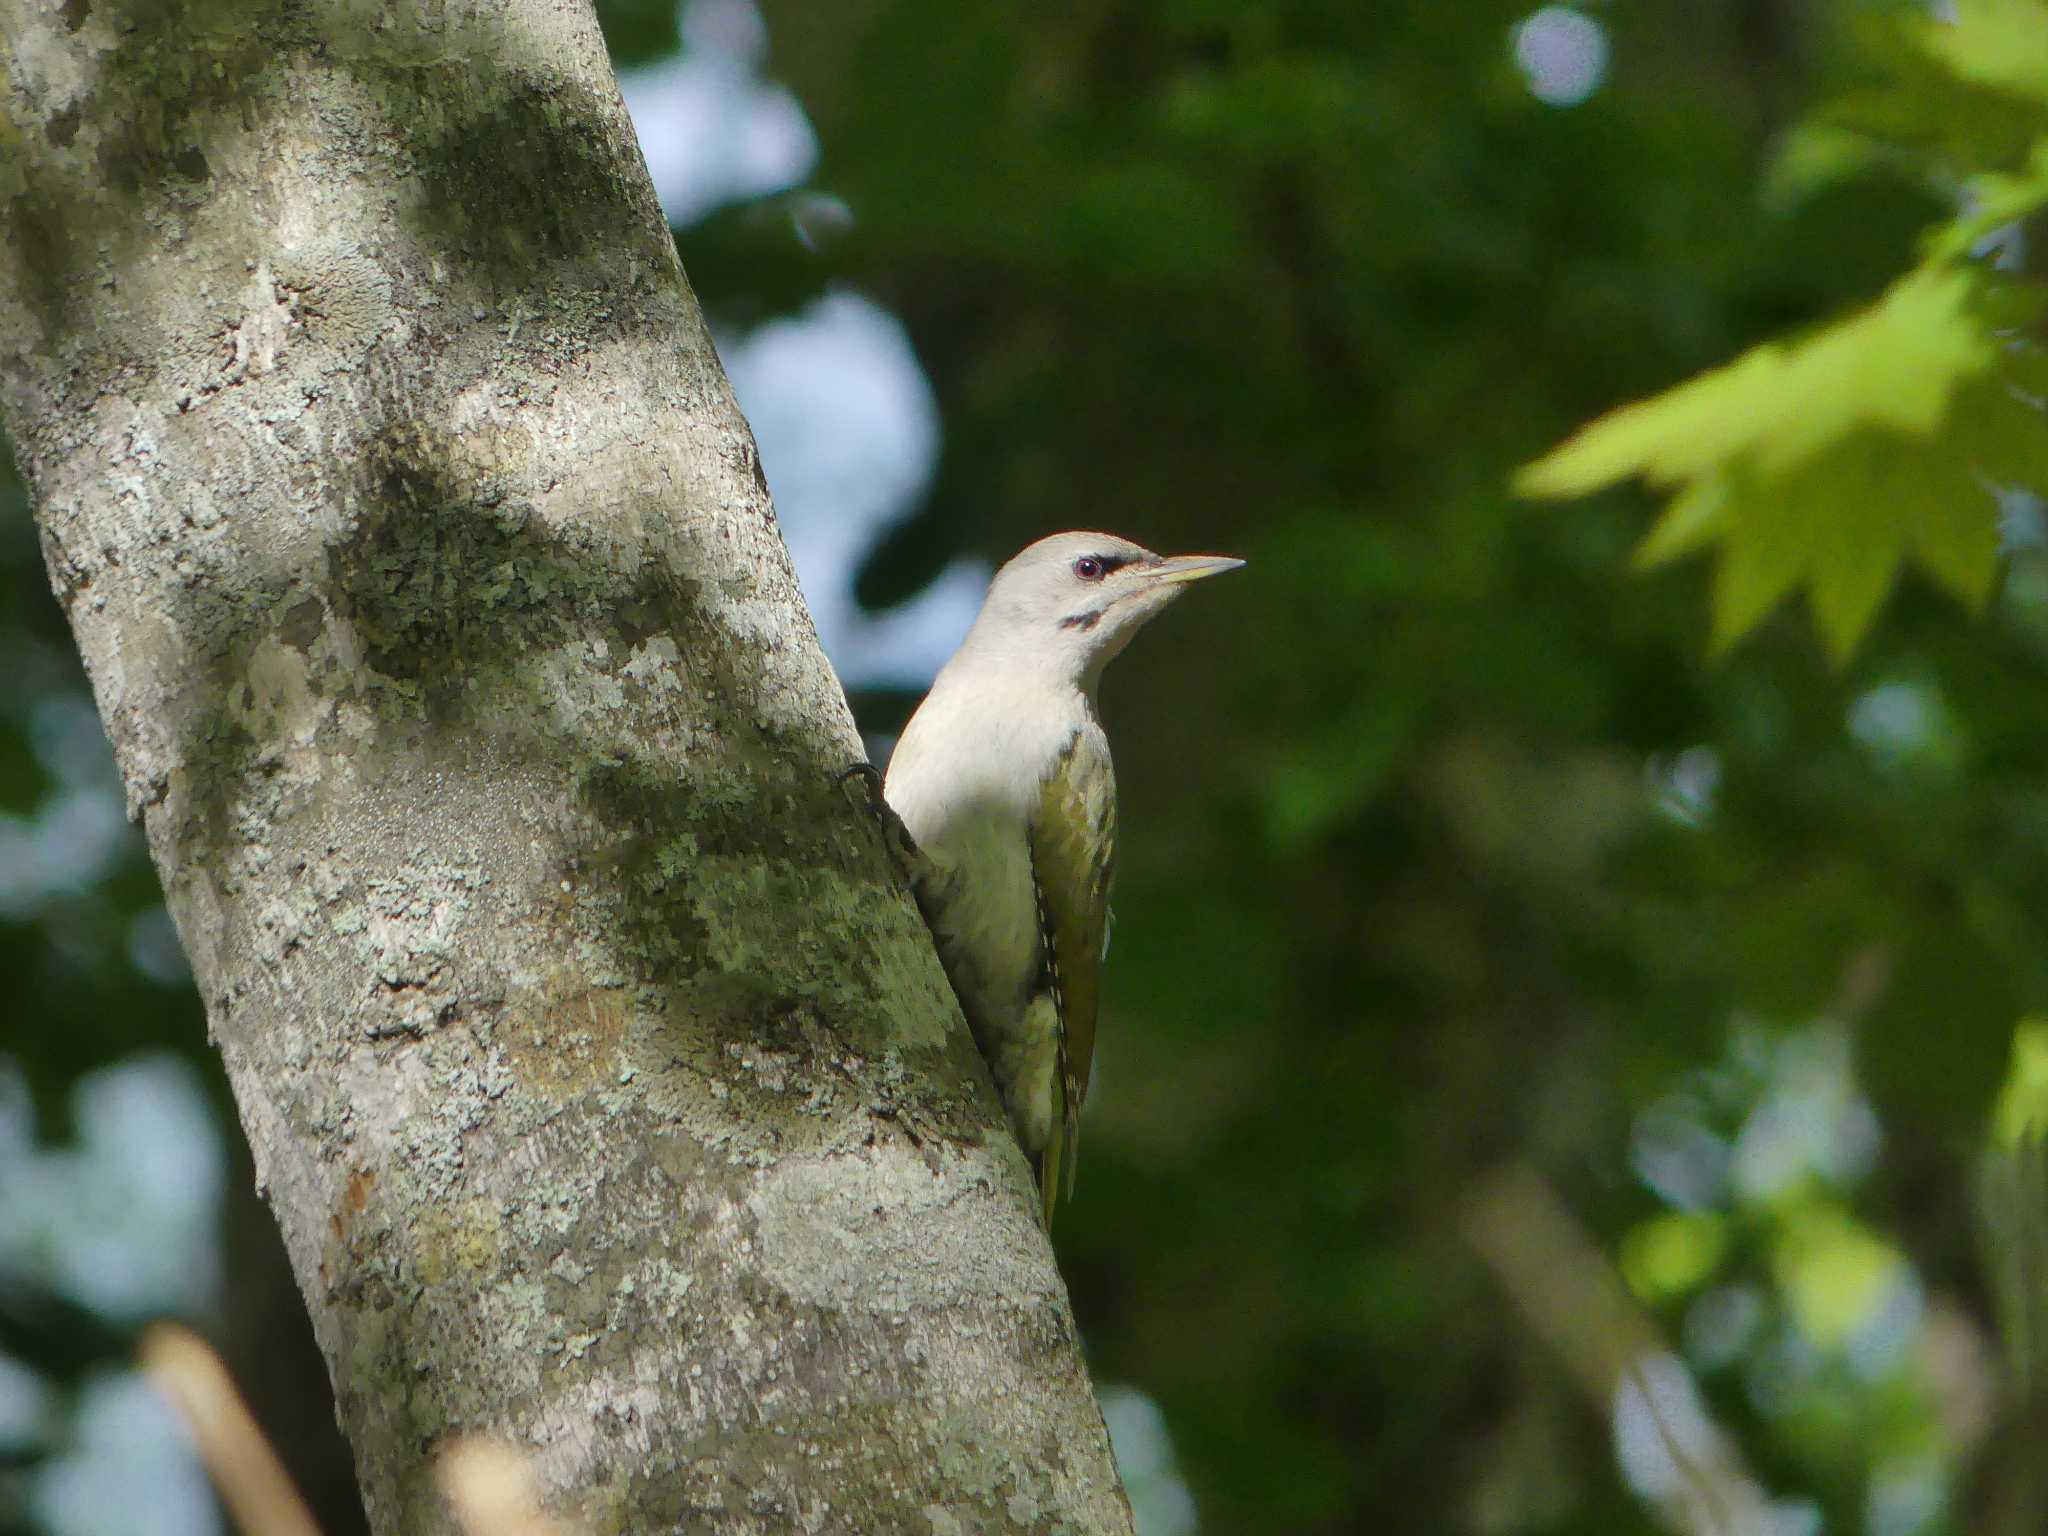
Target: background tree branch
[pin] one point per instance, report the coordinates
(600, 1074)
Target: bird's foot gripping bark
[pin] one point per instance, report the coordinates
(904, 853)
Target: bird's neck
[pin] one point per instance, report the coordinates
(1000, 661)
(1003, 689)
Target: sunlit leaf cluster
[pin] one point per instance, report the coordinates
(1831, 462)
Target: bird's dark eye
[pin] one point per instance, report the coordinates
(1088, 568)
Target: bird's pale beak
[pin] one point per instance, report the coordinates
(1178, 568)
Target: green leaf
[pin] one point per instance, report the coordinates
(1696, 517)
(2022, 1111)
(1762, 560)
(1850, 575)
(1895, 364)
(1993, 201)
(1946, 95)
(1816, 155)
(1998, 43)
(1955, 541)
(1827, 464)
(2003, 434)
(1843, 523)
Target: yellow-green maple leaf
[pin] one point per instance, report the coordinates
(1999, 43)
(1827, 463)
(1894, 365)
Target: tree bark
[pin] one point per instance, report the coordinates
(596, 1064)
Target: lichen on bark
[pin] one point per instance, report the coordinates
(600, 1073)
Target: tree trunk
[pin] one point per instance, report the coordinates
(596, 1064)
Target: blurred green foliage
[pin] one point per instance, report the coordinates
(1447, 843)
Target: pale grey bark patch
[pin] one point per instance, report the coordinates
(600, 1073)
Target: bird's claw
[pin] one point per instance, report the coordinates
(903, 850)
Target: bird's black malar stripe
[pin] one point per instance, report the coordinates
(1086, 620)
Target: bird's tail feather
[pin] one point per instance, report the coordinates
(1057, 1145)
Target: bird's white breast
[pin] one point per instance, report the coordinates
(965, 778)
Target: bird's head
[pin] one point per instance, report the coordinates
(1071, 602)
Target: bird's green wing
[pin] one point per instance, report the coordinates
(1073, 853)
